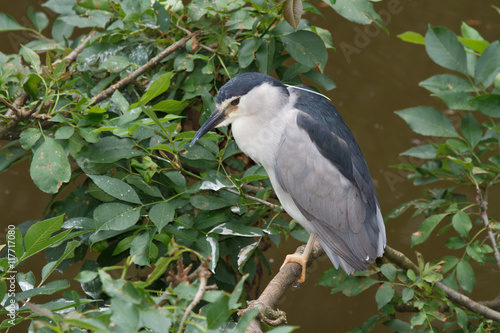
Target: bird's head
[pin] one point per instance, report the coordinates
(243, 95)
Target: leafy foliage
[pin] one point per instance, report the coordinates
(460, 161)
(113, 111)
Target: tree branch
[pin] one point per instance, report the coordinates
(482, 201)
(17, 112)
(291, 272)
(402, 261)
(203, 274)
(285, 278)
(135, 74)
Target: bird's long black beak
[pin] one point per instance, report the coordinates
(215, 119)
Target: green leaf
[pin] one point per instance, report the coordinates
(428, 121)
(10, 155)
(171, 106)
(116, 188)
(48, 289)
(264, 56)
(140, 248)
(110, 149)
(246, 53)
(156, 88)
(428, 151)
(115, 64)
(461, 223)
(446, 82)
(418, 319)
(412, 37)
(444, 48)
(471, 129)
(162, 18)
(462, 319)
(31, 58)
(389, 271)
(455, 243)
(426, 228)
(218, 312)
(384, 294)
(307, 48)
(476, 45)
(488, 65)
(125, 315)
(68, 253)
(161, 214)
(208, 202)
(469, 32)
(115, 216)
(8, 23)
(39, 19)
(38, 237)
(32, 85)
(407, 294)
(50, 167)
(359, 11)
(236, 229)
(156, 319)
(456, 100)
(292, 12)
(488, 104)
(29, 137)
(465, 276)
(64, 133)
(321, 79)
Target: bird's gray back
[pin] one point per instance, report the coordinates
(320, 166)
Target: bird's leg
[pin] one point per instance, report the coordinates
(301, 259)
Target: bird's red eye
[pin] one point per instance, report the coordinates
(235, 102)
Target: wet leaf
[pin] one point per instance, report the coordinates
(161, 214)
(50, 167)
(115, 216)
(116, 188)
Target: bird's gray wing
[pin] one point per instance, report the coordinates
(327, 193)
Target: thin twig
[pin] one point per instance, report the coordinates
(482, 201)
(6, 128)
(73, 54)
(268, 204)
(135, 74)
(11, 107)
(203, 277)
(402, 261)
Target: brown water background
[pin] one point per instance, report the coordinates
(380, 77)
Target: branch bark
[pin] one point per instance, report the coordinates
(291, 272)
(402, 261)
(285, 278)
(141, 70)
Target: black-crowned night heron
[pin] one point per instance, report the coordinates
(313, 161)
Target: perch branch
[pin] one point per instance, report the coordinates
(141, 70)
(285, 278)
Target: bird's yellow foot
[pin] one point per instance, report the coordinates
(299, 259)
